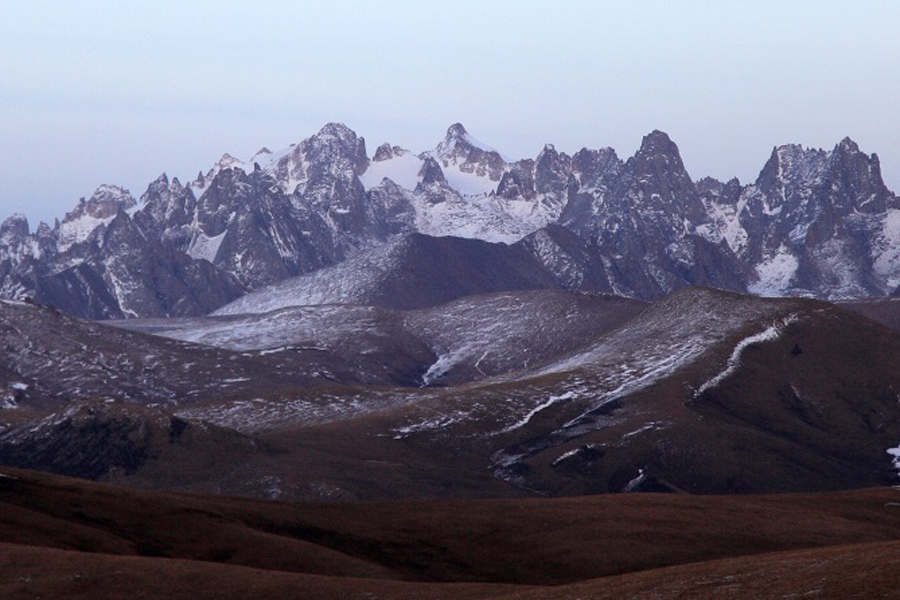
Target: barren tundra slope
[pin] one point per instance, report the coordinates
(464, 340)
(51, 359)
(701, 392)
(62, 537)
(704, 392)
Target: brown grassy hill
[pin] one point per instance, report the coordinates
(855, 572)
(69, 538)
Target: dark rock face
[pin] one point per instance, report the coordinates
(824, 214)
(412, 271)
(814, 223)
(641, 217)
(105, 441)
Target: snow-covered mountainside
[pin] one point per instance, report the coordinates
(50, 359)
(814, 223)
(465, 340)
(410, 271)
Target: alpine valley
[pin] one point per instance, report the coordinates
(439, 363)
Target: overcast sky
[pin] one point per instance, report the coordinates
(117, 92)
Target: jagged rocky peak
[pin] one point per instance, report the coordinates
(387, 152)
(658, 171)
(335, 152)
(791, 169)
(16, 244)
(456, 136)
(518, 181)
(548, 154)
(92, 214)
(338, 131)
(658, 141)
(591, 167)
(431, 172)
(43, 230)
(338, 138)
(457, 130)
(169, 203)
(551, 170)
(16, 225)
(847, 145)
(458, 143)
(845, 178)
(461, 150)
(660, 153)
(857, 176)
(226, 162)
(711, 189)
(158, 187)
(107, 200)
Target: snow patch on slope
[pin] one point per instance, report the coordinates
(725, 224)
(205, 247)
(77, 230)
(543, 405)
(655, 345)
(887, 255)
(895, 454)
(484, 216)
(775, 274)
(768, 334)
(344, 283)
(468, 185)
(403, 169)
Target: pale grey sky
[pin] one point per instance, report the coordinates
(117, 92)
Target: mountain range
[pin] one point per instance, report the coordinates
(814, 223)
(453, 372)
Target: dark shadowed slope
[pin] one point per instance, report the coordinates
(884, 310)
(412, 271)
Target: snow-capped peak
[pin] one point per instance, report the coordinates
(338, 131)
(17, 225)
(104, 203)
(458, 142)
(99, 210)
(228, 161)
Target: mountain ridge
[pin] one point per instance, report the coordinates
(814, 223)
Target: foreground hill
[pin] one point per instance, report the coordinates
(468, 339)
(884, 310)
(50, 359)
(702, 392)
(83, 540)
